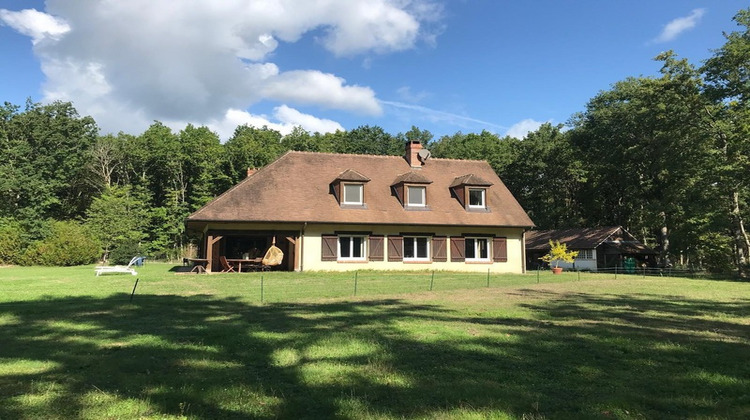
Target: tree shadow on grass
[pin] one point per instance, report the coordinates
(577, 356)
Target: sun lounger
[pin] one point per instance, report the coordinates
(107, 269)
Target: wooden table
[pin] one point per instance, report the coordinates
(237, 262)
(199, 264)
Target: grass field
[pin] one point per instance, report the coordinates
(75, 346)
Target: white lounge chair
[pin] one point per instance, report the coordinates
(105, 269)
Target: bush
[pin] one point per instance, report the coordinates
(13, 241)
(123, 252)
(69, 244)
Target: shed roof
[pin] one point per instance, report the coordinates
(587, 238)
(297, 188)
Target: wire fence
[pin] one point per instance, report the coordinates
(264, 287)
(281, 287)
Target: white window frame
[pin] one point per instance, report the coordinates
(423, 194)
(585, 254)
(361, 193)
(350, 239)
(475, 240)
(484, 198)
(413, 241)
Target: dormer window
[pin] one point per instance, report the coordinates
(471, 191)
(476, 198)
(416, 196)
(349, 189)
(411, 190)
(353, 194)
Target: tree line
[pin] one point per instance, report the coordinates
(666, 156)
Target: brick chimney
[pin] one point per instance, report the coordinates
(412, 149)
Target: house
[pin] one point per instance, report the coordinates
(350, 212)
(598, 248)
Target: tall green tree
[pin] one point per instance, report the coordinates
(119, 216)
(646, 149)
(546, 175)
(251, 147)
(728, 86)
(368, 140)
(483, 146)
(43, 162)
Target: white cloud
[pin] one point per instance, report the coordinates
(132, 62)
(283, 121)
(292, 117)
(364, 28)
(677, 26)
(314, 87)
(522, 128)
(35, 24)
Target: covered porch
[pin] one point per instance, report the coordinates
(244, 249)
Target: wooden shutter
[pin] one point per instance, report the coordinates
(376, 248)
(439, 251)
(500, 249)
(395, 248)
(457, 249)
(329, 248)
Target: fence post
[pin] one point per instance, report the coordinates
(537, 274)
(355, 282)
(615, 272)
(579, 275)
(261, 288)
(488, 277)
(134, 286)
(432, 279)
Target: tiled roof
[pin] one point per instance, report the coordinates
(412, 177)
(470, 179)
(586, 238)
(296, 188)
(352, 175)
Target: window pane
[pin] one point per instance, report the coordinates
(345, 245)
(482, 248)
(408, 247)
(469, 248)
(421, 247)
(353, 193)
(357, 247)
(476, 197)
(416, 196)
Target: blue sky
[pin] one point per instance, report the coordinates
(444, 66)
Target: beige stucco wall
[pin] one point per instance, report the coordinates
(312, 250)
(310, 258)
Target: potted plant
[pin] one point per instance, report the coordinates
(559, 252)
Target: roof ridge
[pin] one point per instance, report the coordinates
(342, 154)
(379, 156)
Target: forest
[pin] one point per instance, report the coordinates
(665, 156)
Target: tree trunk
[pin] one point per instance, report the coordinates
(664, 249)
(742, 242)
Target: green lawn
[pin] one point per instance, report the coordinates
(73, 345)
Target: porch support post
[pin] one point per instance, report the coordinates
(210, 250)
(294, 240)
(297, 254)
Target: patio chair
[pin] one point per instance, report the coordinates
(113, 269)
(225, 266)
